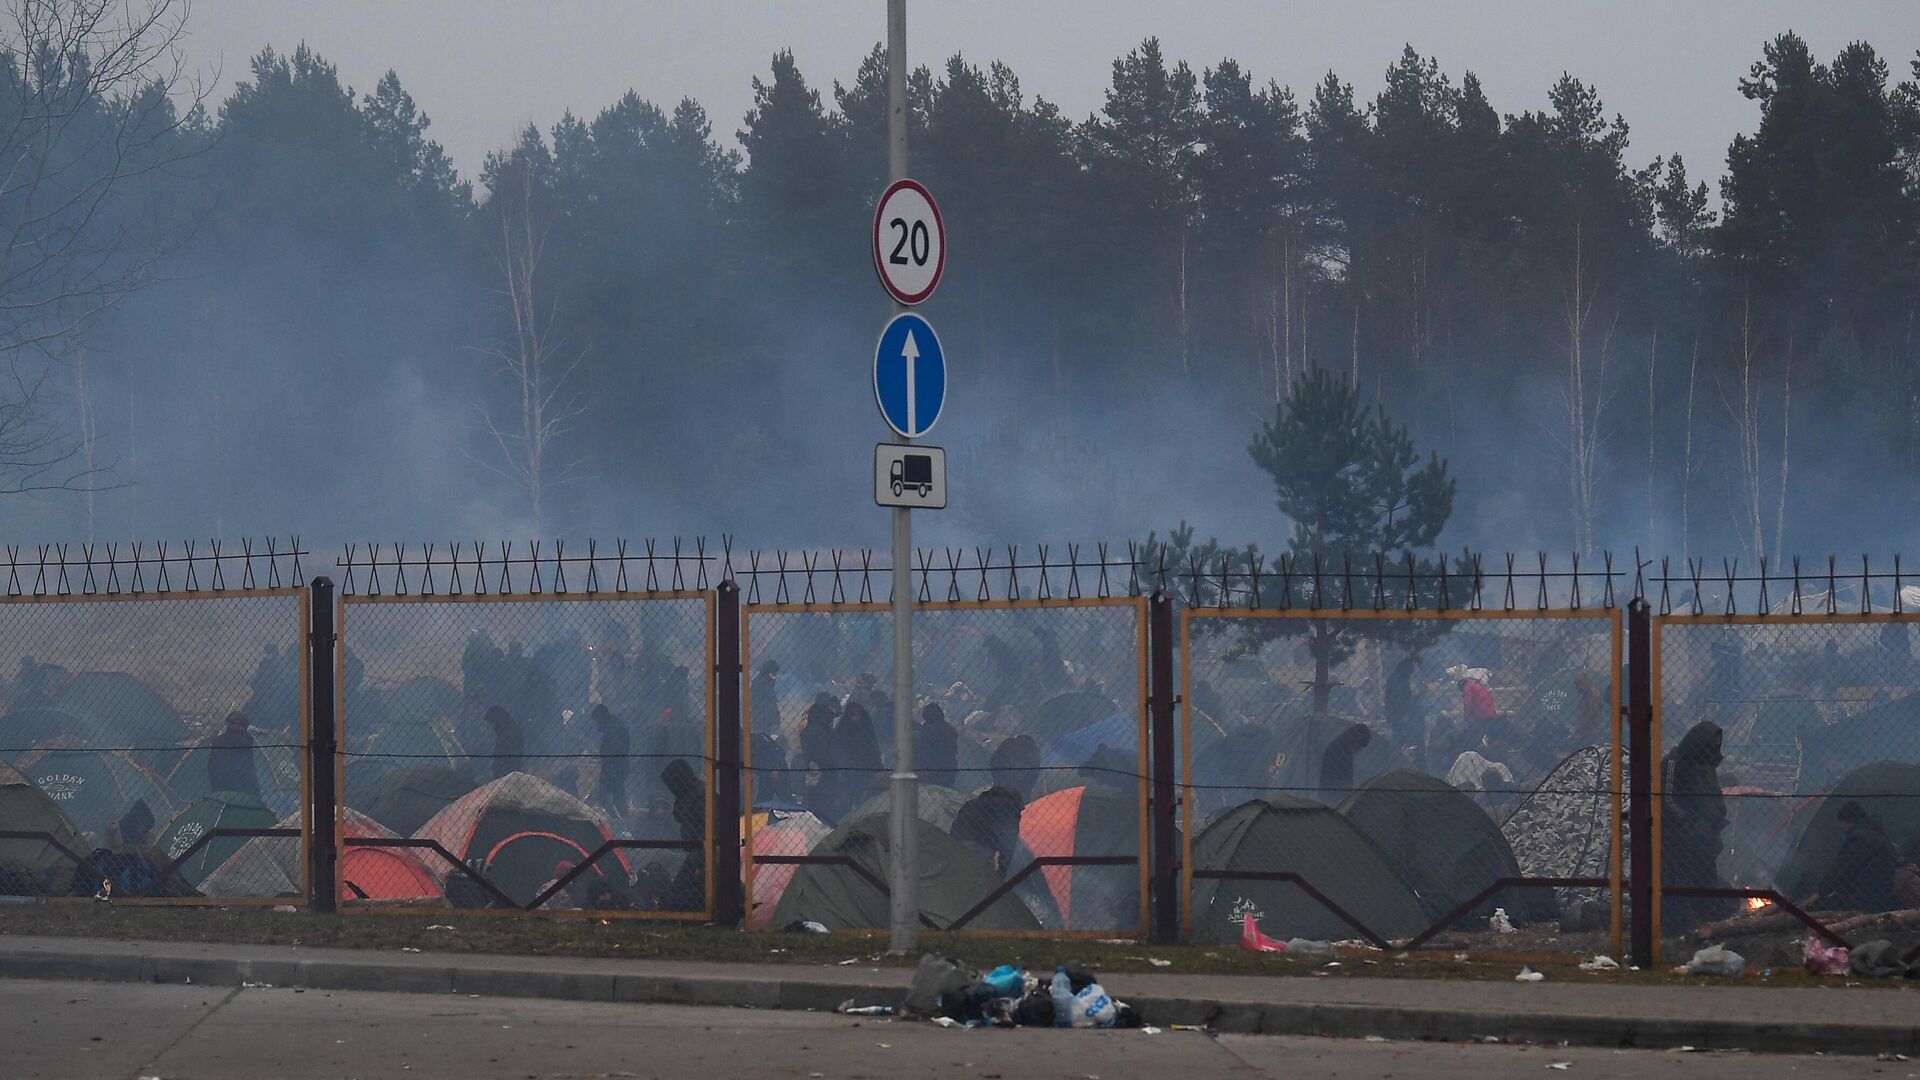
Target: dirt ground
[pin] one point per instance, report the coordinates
(1476, 956)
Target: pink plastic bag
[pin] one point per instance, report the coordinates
(1820, 958)
(1252, 940)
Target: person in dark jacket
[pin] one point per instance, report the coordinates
(863, 773)
(1016, 764)
(819, 757)
(1336, 764)
(766, 700)
(230, 761)
(1404, 720)
(1693, 821)
(989, 823)
(616, 746)
(1862, 874)
(936, 747)
(508, 743)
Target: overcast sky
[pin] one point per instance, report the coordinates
(483, 68)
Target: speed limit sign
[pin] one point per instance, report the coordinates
(909, 241)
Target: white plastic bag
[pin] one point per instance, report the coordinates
(1716, 960)
(1092, 1008)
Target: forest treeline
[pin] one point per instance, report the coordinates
(642, 317)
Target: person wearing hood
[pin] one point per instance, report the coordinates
(766, 700)
(1016, 765)
(818, 754)
(936, 747)
(862, 772)
(1862, 875)
(989, 823)
(1336, 764)
(1693, 820)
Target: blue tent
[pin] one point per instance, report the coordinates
(1120, 731)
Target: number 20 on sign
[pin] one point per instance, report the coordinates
(909, 242)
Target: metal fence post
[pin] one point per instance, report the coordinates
(729, 902)
(1642, 757)
(322, 836)
(1166, 838)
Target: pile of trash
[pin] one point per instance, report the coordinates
(953, 995)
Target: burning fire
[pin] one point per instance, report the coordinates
(1758, 903)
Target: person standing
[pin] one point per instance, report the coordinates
(766, 700)
(1404, 720)
(937, 748)
(508, 743)
(231, 764)
(616, 747)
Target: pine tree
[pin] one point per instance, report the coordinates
(1353, 485)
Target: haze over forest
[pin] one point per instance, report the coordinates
(1611, 347)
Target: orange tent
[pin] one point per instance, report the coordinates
(379, 873)
(1087, 821)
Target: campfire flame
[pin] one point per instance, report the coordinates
(1758, 903)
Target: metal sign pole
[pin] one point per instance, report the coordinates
(904, 889)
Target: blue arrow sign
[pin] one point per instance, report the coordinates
(909, 375)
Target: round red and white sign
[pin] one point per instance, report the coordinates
(909, 241)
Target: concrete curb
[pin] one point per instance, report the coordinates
(473, 975)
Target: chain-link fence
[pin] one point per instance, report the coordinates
(1789, 779)
(1029, 744)
(153, 745)
(536, 751)
(1419, 778)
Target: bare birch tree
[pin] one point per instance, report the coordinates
(89, 123)
(537, 355)
(1585, 393)
(1743, 406)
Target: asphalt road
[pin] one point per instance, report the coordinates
(108, 1030)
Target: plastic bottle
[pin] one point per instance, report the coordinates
(1062, 999)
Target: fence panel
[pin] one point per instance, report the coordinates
(167, 732)
(546, 752)
(1789, 784)
(1030, 746)
(1403, 777)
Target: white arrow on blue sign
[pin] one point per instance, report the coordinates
(909, 375)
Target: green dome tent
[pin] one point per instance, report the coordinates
(26, 808)
(220, 810)
(1888, 790)
(23, 729)
(116, 709)
(1285, 833)
(1443, 844)
(952, 880)
(94, 788)
(406, 799)
(938, 805)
